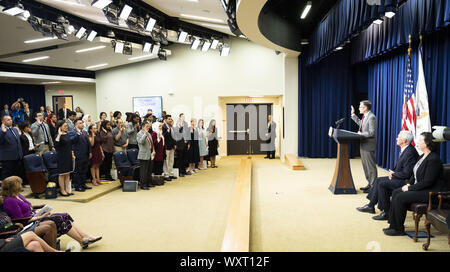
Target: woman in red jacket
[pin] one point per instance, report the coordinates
(160, 148)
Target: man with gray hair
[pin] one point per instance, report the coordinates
(383, 186)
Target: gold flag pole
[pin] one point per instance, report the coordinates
(409, 49)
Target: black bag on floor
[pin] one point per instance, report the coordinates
(158, 180)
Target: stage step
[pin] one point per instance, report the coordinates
(294, 162)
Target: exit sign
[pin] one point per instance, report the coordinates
(61, 91)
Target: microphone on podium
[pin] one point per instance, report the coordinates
(339, 122)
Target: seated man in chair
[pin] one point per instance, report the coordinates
(383, 187)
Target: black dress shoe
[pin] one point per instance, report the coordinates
(393, 232)
(181, 175)
(366, 209)
(87, 187)
(173, 177)
(145, 188)
(365, 188)
(80, 189)
(266, 157)
(167, 179)
(381, 216)
(109, 178)
(65, 195)
(71, 194)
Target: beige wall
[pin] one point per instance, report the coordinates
(84, 96)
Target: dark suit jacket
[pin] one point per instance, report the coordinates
(169, 140)
(405, 164)
(429, 175)
(80, 145)
(3, 112)
(10, 147)
(61, 114)
(25, 144)
(28, 117)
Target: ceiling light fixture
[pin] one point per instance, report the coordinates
(125, 13)
(193, 17)
(150, 25)
(206, 45)
(195, 44)
(80, 33)
(41, 40)
(225, 51)
(182, 36)
(14, 10)
(60, 31)
(92, 35)
(51, 82)
(90, 49)
(141, 57)
(146, 48)
(96, 66)
(155, 49)
(389, 14)
(214, 44)
(118, 47)
(111, 13)
(306, 10)
(35, 59)
(101, 4)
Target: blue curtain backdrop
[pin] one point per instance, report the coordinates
(386, 86)
(33, 94)
(325, 96)
(350, 17)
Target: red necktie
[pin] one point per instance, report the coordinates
(362, 121)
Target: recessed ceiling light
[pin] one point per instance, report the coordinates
(306, 10)
(41, 40)
(202, 18)
(125, 13)
(90, 49)
(35, 59)
(51, 82)
(141, 57)
(14, 10)
(96, 66)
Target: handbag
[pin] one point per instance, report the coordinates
(6, 225)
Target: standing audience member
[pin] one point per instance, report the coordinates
(52, 122)
(17, 113)
(115, 117)
(26, 140)
(17, 206)
(160, 148)
(132, 131)
(10, 148)
(82, 150)
(182, 146)
(48, 112)
(5, 111)
(42, 110)
(102, 117)
(202, 142)
(193, 151)
(41, 135)
(170, 148)
(213, 144)
(79, 113)
(108, 149)
(65, 157)
(120, 136)
(163, 115)
(145, 154)
(63, 113)
(71, 120)
(97, 154)
(426, 178)
(28, 113)
(87, 122)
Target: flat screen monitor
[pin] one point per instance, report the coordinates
(142, 104)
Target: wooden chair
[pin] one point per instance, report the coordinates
(437, 217)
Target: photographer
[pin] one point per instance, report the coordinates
(17, 113)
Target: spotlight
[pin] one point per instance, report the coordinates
(111, 34)
(70, 29)
(111, 12)
(126, 10)
(225, 51)
(47, 28)
(214, 44)
(80, 33)
(150, 25)
(127, 49)
(35, 23)
(14, 10)
(101, 4)
(92, 35)
(132, 21)
(206, 46)
(60, 31)
(155, 49)
(182, 36)
(195, 44)
(146, 47)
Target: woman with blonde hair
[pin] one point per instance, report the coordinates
(17, 206)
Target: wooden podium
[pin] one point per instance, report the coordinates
(342, 182)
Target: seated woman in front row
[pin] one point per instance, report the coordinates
(427, 177)
(16, 206)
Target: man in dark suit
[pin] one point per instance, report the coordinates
(10, 148)
(63, 113)
(5, 111)
(82, 151)
(271, 133)
(28, 113)
(368, 128)
(171, 146)
(182, 137)
(383, 186)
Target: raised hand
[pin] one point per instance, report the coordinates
(3, 128)
(353, 110)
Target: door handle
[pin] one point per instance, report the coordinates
(237, 131)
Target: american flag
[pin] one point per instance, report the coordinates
(409, 102)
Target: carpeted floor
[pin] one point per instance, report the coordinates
(295, 211)
(291, 211)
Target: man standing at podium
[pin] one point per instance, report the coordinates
(368, 128)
